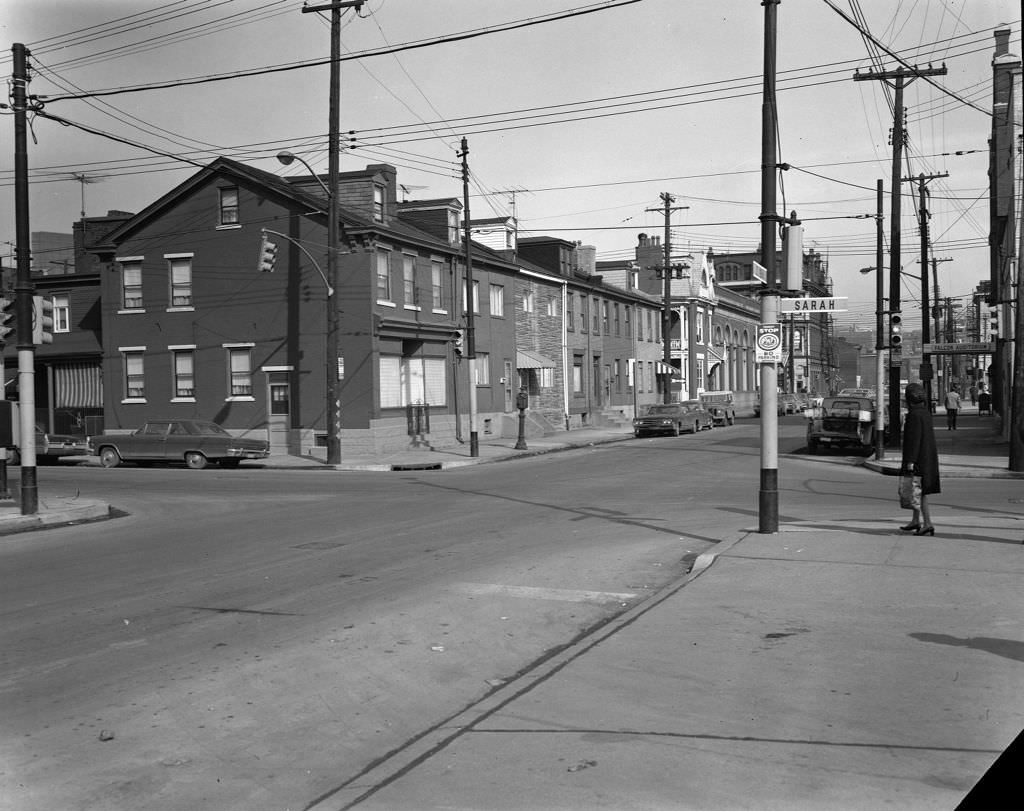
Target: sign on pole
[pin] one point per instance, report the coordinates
(813, 305)
(960, 349)
(769, 344)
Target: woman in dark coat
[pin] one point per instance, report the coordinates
(920, 457)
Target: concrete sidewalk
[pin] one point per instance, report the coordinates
(837, 664)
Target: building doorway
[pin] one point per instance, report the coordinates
(279, 399)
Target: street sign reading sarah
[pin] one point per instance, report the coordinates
(813, 305)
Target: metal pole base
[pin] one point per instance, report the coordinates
(768, 501)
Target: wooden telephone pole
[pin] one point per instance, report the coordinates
(666, 303)
(897, 79)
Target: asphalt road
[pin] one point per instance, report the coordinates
(253, 638)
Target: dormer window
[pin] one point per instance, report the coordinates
(453, 226)
(378, 203)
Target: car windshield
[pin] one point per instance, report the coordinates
(656, 410)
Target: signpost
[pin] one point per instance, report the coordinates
(813, 305)
(769, 343)
(960, 349)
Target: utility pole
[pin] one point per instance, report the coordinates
(23, 285)
(935, 296)
(666, 302)
(880, 340)
(333, 417)
(897, 79)
(768, 492)
(474, 436)
(927, 373)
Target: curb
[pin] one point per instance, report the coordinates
(12, 524)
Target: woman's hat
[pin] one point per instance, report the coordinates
(914, 393)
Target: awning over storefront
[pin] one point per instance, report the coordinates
(525, 359)
(78, 385)
(713, 359)
(662, 368)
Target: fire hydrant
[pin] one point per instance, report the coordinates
(522, 403)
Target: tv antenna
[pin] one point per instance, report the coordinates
(83, 179)
(406, 189)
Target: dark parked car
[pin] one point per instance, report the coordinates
(51, 447)
(673, 418)
(841, 422)
(194, 442)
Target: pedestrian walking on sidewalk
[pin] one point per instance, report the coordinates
(952, 407)
(920, 458)
(973, 391)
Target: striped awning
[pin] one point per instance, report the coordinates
(525, 359)
(78, 385)
(663, 368)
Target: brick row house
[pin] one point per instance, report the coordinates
(168, 314)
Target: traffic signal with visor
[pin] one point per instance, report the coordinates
(42, 320)
(895, 331)
(268, 255)
(7, 308)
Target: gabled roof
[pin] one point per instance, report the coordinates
(296, 190)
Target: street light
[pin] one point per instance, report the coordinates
(332, 357)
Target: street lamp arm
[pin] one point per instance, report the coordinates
(286, 157)
(301, 247)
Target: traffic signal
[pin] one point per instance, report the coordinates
(895, 331)
(458, 342)
(268, 254)
(7, 307)
(42, 320)
(793, 258)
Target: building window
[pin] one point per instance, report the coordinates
(453, 226)
(131, 285)
(383, 276)
(410, 381)
(436, 285)
(378, 202)
(528, 300)
(134, 374)
(184, 374)
(552, 307)
(229, 206)
(546, 378)
(483, 369)
(181, 280)
(584, 313)
(605, 320)
(240, 371)
(570, 312)
(597, 316)
(497, 300)
(412, 298)
(577, 375)
(61, 312)
(627, 315)
(639, 324)
(476, 296)
(618, 324)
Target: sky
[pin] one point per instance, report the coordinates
(576, 125)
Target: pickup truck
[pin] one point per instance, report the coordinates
(841, 422)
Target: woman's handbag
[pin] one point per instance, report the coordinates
(910, 492)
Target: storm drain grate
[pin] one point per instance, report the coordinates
(418, 466)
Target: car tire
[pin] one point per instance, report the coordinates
(109, 457)
(194, 460)
(676, 429)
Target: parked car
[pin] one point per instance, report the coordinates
(51, 447)
(673, 418)
(720, 405)
(194, 442)
(841, 422)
